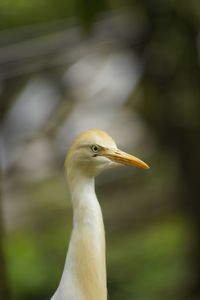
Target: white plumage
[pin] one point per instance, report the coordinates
(84, 274)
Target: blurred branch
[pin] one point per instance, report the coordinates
(35, 48)
(8, 95)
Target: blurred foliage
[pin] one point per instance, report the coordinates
(21, 13)
(153, 244)
(156, 253)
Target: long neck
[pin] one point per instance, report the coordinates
(85, 266)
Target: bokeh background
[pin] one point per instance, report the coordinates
(132, 69)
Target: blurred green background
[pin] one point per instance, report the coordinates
(132, 69)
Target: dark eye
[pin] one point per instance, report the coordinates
(95, 148)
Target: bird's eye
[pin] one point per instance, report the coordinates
(95, 148)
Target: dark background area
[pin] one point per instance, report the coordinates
(132, 69)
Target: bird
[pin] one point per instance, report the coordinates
(84, 274)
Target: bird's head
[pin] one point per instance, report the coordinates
(94, 151)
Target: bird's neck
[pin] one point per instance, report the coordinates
(85, 265)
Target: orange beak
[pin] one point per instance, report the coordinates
(124, 158)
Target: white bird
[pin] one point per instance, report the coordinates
(84, 274)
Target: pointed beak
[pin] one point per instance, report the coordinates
(124, 158)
